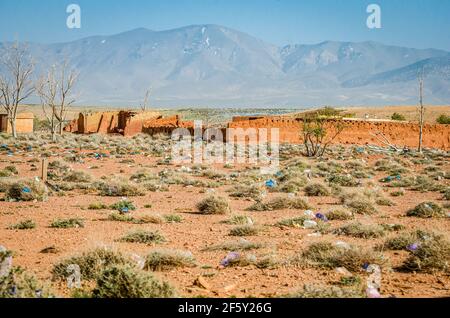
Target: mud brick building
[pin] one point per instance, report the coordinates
(24, 123)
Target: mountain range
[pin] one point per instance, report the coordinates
(215, 66)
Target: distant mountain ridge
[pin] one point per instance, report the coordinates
(211, 65)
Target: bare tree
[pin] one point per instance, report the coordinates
(421, 109)
(15, 83)
(55, 91)
(145, 101)
(47, 89)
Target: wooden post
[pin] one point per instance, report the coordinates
(44, 168)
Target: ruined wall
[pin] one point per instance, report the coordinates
(127, 123)
(24, 123)
(358, 132)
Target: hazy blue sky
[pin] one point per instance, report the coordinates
(413, 23)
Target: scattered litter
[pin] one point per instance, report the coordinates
(140, 261)
(372, 293)
(343, 271)
(185, 169)
(279, 174)
(321, 217)
(308, 224)
(413, 247)
(232, 256)
(309, 214)
(271, 183)
(315, 234)
(5, 262)
(26, 190)
(342, 244)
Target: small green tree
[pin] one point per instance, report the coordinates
(443, 120)
(397, 116)
(315, 132)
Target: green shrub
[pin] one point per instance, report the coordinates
(173, 218)
(20, 284)
(67, 223)
(123, 205)
(97, 206)
(24, 225)
(397, 116)
(443, 120)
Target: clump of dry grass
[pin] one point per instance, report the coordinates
(145, 237)
(405, 240)
(214, 205)
(67, 223)
(357, 203)
(319, 291)
(91, 263)
(427, 210)
(124, 281)
(116, 187)
(292, 222)
(430, 256)
(239, 220)
(242, 191)
(361, 230)
(164, 259)
(23, 225)
(280, 203)
(316, 190)
(26, 190)
(339, 215)
(18, 283)
(343, 180)
(326, 255)
(241, 245)
(78, 176)
(244, 230)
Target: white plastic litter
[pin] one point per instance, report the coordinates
(308, 224)
(342, 244)
(310, 214)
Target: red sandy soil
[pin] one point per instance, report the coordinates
(199, 231)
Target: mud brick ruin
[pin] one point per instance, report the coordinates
(359, 132)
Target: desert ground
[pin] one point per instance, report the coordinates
(121, 210)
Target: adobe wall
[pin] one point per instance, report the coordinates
(24, 123)
(127, 123)
(358, 132)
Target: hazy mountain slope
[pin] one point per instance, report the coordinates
(210, 65)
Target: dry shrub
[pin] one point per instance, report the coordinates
(214, 205)
(27, 190)
(427, 210)
(124, 281)
(280, 203)
(165, 259)
(91, 263)
(316, 190)
(329, 256)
